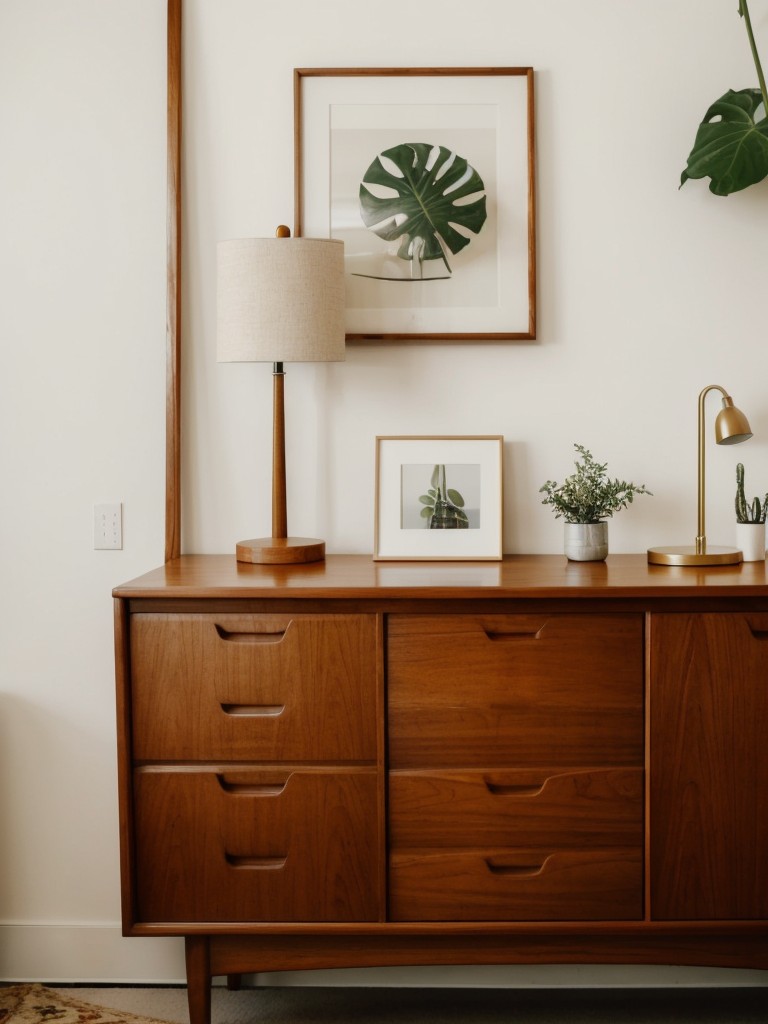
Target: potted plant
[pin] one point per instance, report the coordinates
(750, 522)
(586, 499)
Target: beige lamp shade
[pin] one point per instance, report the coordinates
(280, 300)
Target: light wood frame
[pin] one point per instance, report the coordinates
(310, 144)
(403, 470)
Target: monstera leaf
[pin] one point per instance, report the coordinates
(733, 151)
(429, 188)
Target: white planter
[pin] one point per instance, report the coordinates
(586, 542)
(750, 538)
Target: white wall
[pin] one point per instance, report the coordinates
(646, 295)
(82, 393)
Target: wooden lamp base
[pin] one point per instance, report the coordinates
(280, 550)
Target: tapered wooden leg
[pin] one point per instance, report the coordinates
(198, 957)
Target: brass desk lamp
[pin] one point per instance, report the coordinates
(731, 427)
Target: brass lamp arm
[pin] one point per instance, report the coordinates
(701, 533)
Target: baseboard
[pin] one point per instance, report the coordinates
(98, 954)
(88, 953)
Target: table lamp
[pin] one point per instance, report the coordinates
(280, 300)
(731, 427)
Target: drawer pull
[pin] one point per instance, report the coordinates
(256, 863)
(251, 789)
(529, 634)
(249, 638)
(498, 867)
(253, 710)
(500, 790)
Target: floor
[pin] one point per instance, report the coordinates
(329, 1005)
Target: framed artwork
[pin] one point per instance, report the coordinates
(428, 177)
(438, 498)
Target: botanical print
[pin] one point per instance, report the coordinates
(428, 502)
(415, 205)
(438, 497)
(428, 178)
(427, 198)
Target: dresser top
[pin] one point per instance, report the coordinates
(516, 576)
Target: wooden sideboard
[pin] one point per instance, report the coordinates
(355, 763)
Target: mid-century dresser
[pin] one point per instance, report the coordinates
(358, 763)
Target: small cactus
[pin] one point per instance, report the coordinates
(746, 513)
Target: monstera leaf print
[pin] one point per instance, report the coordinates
(433, 187)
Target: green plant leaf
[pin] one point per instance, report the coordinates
(589, 495)
(732, 152)
(455, 497)
(429, 185)
(426, 499)
(426, 513)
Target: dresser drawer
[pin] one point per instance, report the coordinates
(529, 807)
(517, 885)
(254, 687)
(515, 690)
(255, 844)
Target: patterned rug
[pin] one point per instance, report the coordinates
(35, 1004)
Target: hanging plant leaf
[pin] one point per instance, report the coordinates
(429, 185)
(733, 151)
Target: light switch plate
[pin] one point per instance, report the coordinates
(108, 527)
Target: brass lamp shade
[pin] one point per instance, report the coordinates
(731, 427)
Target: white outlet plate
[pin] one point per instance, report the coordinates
(108, 527)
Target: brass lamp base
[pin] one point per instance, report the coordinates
(714, 555)
(280, 550)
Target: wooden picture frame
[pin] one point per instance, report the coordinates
(358, 129)
(414, 473)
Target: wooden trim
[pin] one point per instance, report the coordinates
(407, 586)
(124, 773)
(647, 669)
(248, 953)
(531, 207)
(173, 307)
(298, 183)
(381, 762)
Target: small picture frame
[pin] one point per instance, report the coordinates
(438, 498)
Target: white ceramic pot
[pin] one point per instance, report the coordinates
(586, 542)
(750, 538)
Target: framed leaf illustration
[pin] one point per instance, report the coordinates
(428, 176)
(438, 498)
